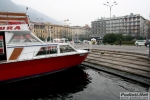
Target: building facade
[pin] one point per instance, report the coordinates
(133, 25)
(46, 30)
(147, 29)
(80, 33)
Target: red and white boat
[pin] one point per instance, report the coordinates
(23, 55)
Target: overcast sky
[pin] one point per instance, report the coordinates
(81, 12)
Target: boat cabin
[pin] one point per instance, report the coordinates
(18, 43)
(24, 55)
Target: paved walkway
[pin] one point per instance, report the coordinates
(142, 49)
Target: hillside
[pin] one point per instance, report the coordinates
(9, 6)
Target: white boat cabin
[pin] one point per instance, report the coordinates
(18, 43)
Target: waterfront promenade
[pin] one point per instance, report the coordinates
(133, 49)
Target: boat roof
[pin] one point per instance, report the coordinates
(13, 21)
(8, 18)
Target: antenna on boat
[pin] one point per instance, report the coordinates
(26, 10)
(27, 16)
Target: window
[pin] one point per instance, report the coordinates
(66, 48)
(47, 50)
(20, 38)
(1, 44)
(1, 47)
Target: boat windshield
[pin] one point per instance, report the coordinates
(22, 38)
(66, 48)
(47, 50)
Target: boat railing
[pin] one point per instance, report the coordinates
(33, 55)
(13, 18)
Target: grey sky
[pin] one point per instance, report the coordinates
(81, 12)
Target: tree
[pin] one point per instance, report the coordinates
(120, 37)
(128, 38)
(141, 38)
(110, 38)
(48, 39)
(42, 38)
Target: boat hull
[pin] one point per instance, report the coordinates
(21, 69)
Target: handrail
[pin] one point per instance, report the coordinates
(10, 17)
(12, 14)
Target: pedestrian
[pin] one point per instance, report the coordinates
(120, 42)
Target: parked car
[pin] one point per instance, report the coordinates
(86, 42)
(140, 43)
(78, 42)
(147, 42)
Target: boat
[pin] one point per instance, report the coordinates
(24, 55)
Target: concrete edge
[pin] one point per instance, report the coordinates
(122, 57)
(123, 52)
(123, 62)
(126, 75)
(149, 93)
(144, 56)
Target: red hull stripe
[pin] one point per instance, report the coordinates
(20, 69)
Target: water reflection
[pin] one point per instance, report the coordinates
(79, 83)
(51, 86)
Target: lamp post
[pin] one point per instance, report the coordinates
(110, 6)
(50, 29)
(39, 22)
(144, 34)
(71, 34)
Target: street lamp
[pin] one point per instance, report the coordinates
(50, 29)
(39, 20)
(144, 33)
(110, 6)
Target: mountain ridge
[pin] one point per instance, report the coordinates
(33, 14)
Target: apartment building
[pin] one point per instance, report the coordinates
(132, 24)
(147, 29)
(46, 30)
(79, 32)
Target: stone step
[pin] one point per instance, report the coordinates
(138, 55)
(119, 59)
(124, 56)
(123, 64)
(120, 67)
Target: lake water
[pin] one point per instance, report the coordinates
(78, 83)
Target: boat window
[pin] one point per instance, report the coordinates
(66, 48)
(21, 38)
(1, 47)
(47, 50)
